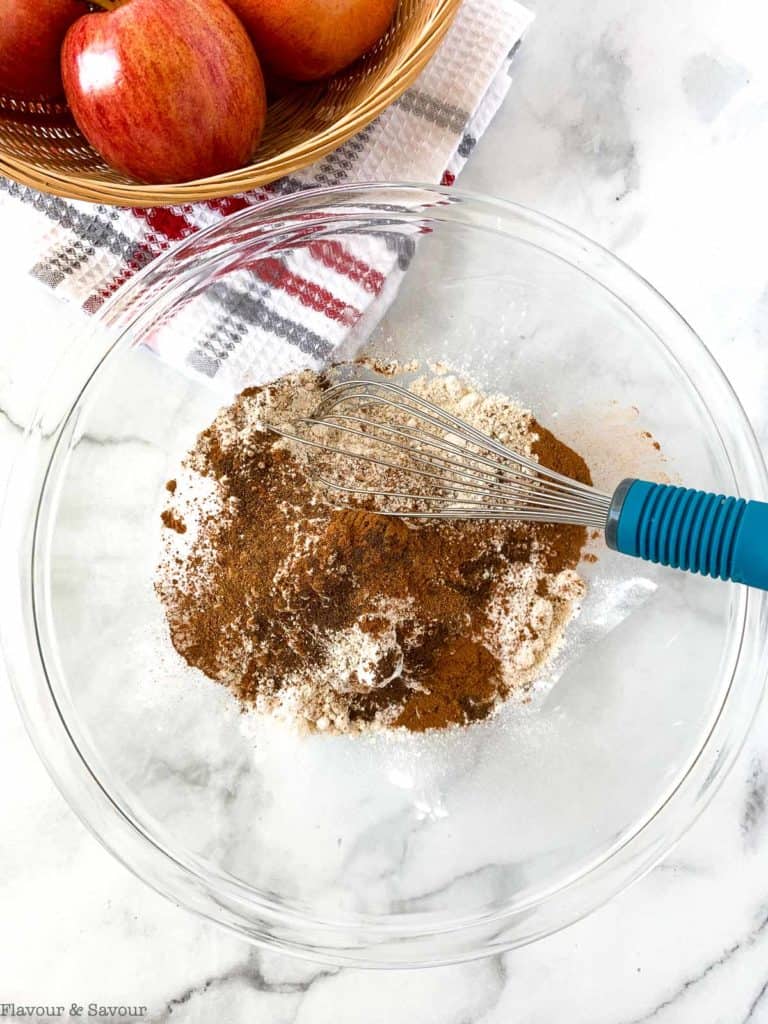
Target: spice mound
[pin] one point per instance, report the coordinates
(345, 620)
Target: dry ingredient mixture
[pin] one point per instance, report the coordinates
(343, 620)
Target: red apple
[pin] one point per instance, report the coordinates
(31, 34)
(308, 39)
(165, 90)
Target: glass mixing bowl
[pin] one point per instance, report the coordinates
(391, 849)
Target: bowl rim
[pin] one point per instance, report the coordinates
(71, 777)
(89, 187)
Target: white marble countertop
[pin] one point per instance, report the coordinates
(646, 127)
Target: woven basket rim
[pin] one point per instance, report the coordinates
(89, 187)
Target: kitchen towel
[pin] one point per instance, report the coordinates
(305, 302)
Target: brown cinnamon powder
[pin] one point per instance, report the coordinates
(344, 619)
(172, 521)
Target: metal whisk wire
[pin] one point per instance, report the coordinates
(452, 469)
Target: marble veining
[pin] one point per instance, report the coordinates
(252, 975)
(734, 950)
(755, 802)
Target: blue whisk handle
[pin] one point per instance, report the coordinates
(726, 538)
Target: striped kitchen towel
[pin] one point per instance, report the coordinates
(303, 305)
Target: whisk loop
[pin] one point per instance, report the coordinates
(387, 449)
(414, 459)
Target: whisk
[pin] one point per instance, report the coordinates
(381, 446)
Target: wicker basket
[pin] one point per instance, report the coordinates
(41, 146)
